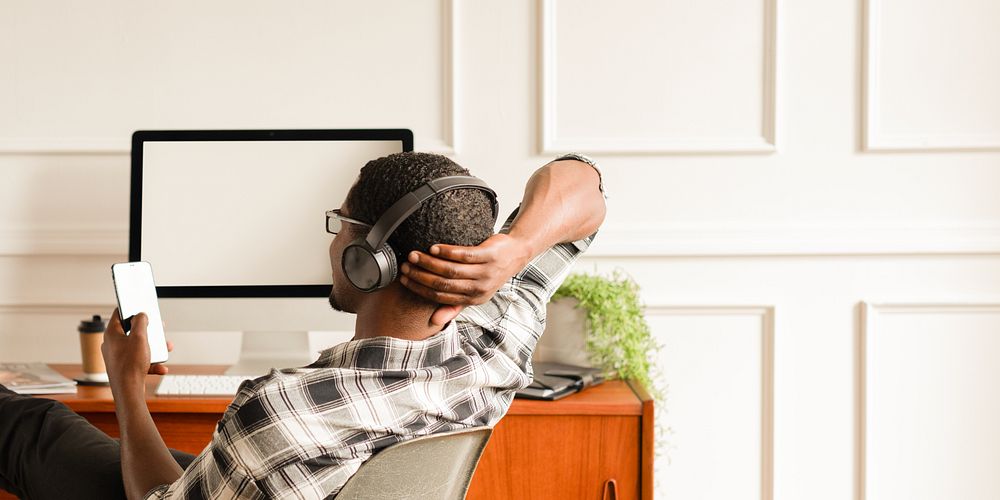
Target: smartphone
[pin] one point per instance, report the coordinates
(136, 293)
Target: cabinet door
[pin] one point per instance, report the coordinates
(188, 432)
(562, 456)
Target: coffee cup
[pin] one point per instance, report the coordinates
(91, 338)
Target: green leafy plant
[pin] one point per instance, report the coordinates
(618, 340)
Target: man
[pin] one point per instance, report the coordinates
(442, 348)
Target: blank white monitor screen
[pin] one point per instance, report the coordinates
(245, 213)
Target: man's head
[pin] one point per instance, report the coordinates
(458, 217)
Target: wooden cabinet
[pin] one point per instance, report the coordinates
(573, 448)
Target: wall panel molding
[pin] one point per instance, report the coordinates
(39, 308)
(869, 313)
(669, 240)
(875, 141)
(674, 240)
(64, 241)
(65, 145)
(446, 144)
(766, 313)
(551, 143)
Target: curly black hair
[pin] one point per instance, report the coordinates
(458, 217)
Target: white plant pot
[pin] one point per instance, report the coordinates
(565, 337)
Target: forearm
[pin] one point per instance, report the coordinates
(562, 202)
(146, 461)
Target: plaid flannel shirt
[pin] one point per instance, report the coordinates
(302, 432)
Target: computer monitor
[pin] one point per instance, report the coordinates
(233, 224)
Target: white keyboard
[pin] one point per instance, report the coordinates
(200, 385)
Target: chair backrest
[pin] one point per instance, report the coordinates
(434, 467)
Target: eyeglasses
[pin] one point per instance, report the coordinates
(335, 221)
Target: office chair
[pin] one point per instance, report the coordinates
(434, 467)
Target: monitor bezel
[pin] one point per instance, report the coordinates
(405, 136)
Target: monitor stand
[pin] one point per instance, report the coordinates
(262, 351)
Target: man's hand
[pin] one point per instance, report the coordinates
(562, 203)
(457, 276)
(127, 356)
(146, 461)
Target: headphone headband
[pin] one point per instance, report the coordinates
(409, 203)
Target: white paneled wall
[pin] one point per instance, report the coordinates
(806, 192)
(662, 106)
(930, 383)
(932, 75)
(726, 406)
(115, 66)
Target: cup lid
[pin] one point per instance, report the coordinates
(94, 325)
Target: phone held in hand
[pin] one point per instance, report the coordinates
(137, 294)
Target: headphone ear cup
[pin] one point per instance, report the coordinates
(387, 262)
(361, 266)
(367, 270)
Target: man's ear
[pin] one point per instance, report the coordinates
(443, 314)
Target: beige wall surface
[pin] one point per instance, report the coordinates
(806, 192)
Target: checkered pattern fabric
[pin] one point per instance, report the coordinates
(301, 433)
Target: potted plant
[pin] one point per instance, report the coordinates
(598, 321)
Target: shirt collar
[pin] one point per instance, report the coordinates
(391, 353)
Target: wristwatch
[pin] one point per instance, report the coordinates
(588, 161)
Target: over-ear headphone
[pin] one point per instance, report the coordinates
(370, 263)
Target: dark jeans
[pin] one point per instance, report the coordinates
(47, 451)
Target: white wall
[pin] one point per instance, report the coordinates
(806, 193)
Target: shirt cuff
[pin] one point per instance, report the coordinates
(157, 492)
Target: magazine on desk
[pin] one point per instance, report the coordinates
(34, 378)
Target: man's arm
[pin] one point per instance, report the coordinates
(146, 461)
(562, 202)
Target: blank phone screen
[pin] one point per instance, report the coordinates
(137, 293)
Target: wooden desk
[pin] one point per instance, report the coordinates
(541, 449)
